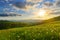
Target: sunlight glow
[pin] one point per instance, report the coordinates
(42, 13)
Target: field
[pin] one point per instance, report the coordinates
(46, 31)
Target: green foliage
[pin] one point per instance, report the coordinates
(7, 24)
(52, 19)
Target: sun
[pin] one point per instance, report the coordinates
(42, 13)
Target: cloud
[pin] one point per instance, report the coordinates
(34, 1)
(48, 4)
(9, 14)
(19, 4)
(56, 11)
(58, 3)
(26, 4)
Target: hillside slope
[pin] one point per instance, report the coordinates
(46, 31)
(53, 19)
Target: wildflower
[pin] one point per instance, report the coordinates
(52, 30)
(59, 33)
(46, 32)
(19, 39)
(9, 35)
(25, 32)
(52, 37)
(33, 39)
(18, 36)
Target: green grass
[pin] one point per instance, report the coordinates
(46, 31)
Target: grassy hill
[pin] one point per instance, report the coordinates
(4, 24)
(53, 19)
(49, 30)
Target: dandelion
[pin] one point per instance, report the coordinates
(13, 33)
(18, 36)
(52, 37)
(33, 39)
(22, 34)
(38, 33)
(9, 35)
(52, 30)
(25, 32)
(59, 34)
(47, 32)
(19, 39)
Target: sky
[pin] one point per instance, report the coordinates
(24, 9)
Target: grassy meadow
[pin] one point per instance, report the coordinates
(48, 30)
